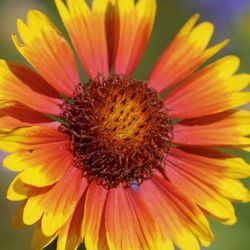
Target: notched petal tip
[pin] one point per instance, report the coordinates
(201, 35)
(185, 30)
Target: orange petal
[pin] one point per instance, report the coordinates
(133, 29)
(57, 204)
(216, 162)
(103, 243)
(93, 212)
(180, 220)
(207, 181)
(184, 55)
(48, 52)
(19, 191)
(88, 33)
(17, 115)
(17, 219)
(69, 236)
(39, 240)
(20, 84)
(41, 167)
(129, 223)
(215, 85)
(228, 129)
(31, 138)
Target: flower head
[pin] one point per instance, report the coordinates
(111, 163)
(119, 130)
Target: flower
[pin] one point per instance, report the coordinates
(110, 162)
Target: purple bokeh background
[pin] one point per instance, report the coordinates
(221, 12)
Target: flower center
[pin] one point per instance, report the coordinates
(119, 130)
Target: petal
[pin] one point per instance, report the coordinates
(70, 236)
(135, 23)
(88, 33)
(184, 55)
(215, 85)
(17, 115)
(41, 167)
(207, 181)
(129, 223)
(39, 240)
(217, 162)
(94, 209)
(103, 243)
(57, 204)
(23, 159)
(17, 219)
(180, 220)
(18, 190)
(228, 129)
(46, 50)
(20, 84)
(31, 138)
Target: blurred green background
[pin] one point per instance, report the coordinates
(232, 20)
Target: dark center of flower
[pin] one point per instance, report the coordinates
(119, 130)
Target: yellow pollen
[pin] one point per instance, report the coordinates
(126, 118)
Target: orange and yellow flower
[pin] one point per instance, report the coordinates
(109, 163)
